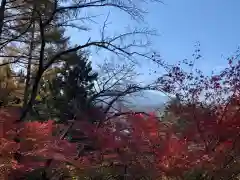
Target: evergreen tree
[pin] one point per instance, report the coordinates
(21, 32)
(65, 89)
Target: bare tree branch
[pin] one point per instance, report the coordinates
(39, 73)
(110, 44)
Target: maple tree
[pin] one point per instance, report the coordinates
(209, 115)
(201, 143)
(141, 142)
(27, 146)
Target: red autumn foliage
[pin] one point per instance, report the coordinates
(207, 142)
(210, 108)
(26, 146)
(138, 142)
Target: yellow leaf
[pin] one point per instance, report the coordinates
(38, 98)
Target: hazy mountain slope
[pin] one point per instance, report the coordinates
(147, 101)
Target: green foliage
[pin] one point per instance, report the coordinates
(66, 89)
(9, 86)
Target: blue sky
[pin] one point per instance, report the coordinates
(180, 24)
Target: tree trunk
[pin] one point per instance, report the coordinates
(2, 10)
(33, 95)
(29, 65)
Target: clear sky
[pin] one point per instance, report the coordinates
(180, 24)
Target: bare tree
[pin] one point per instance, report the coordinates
(114, 83)
(111, 44)
(115, 87)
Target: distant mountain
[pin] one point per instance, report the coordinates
(145, 101)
